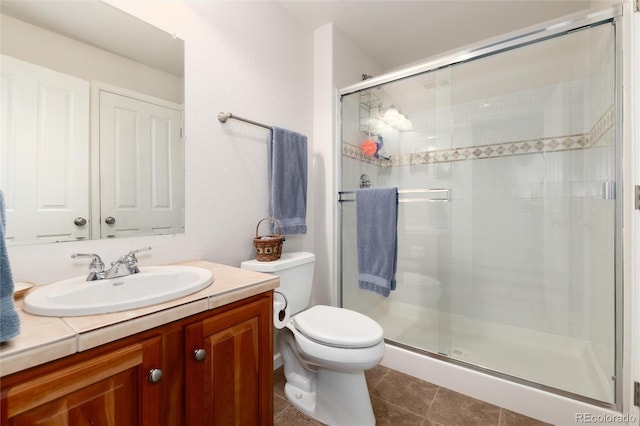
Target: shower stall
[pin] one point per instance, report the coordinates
(506, 157)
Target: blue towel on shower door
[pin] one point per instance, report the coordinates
(9, 320)
(377, 239)
(288, 170)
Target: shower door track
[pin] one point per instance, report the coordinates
(500, 375)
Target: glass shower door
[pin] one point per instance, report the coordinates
(415, 162)
(514, 271)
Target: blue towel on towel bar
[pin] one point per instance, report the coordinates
(288, 170)
(377, 239)
(9, 320)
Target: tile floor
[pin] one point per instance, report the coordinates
(402, 400)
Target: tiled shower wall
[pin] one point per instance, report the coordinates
(525, 172)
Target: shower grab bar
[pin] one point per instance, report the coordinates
(224, 116)
(343, 196)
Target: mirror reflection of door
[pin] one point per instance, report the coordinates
(44, 153)
(141, 167)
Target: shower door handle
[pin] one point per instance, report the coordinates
(609, 190)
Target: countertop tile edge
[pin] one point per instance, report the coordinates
(100, 336)
(38, 355)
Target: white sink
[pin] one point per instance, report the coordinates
(154, 284)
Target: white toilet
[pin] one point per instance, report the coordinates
(325, 349)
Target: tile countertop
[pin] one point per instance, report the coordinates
(43, 339)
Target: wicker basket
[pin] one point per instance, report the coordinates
(268, 247)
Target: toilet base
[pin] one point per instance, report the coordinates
(335, 397)
(338, 398)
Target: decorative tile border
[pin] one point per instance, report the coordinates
(562, 143)
(601, 127)
(494, 150)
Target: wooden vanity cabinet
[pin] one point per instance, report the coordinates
(108, 389)
(113, 384)
(229, 367)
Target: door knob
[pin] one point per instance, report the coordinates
(199, 354)
(110, 220)
(155, 374)
(80, 221)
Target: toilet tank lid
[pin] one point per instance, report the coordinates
(287, 260)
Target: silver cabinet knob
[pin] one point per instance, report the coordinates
(80, 221)
(110, 220)
(155, 374)
(199, 354)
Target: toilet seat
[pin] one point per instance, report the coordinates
(338, 327)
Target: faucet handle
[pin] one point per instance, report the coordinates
(130, 259)
(133, 252)
(131, 256)
(96, 268)
(96, 262)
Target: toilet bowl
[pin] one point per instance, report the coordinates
(325, 349)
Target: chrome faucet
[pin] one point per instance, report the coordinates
(125, 265)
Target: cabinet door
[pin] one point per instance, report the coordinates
(233, 384)
(111, 389)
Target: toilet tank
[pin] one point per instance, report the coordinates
(296, 276)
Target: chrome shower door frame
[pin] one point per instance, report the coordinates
(556, 28)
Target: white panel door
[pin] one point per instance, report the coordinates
(44, 152)
(141, 167)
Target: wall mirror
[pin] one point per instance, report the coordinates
(91, 131)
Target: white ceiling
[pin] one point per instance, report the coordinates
(393, 32)
(399, 32)
(104, 26)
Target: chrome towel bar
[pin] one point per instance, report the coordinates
(224, 116)
(444, 194)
